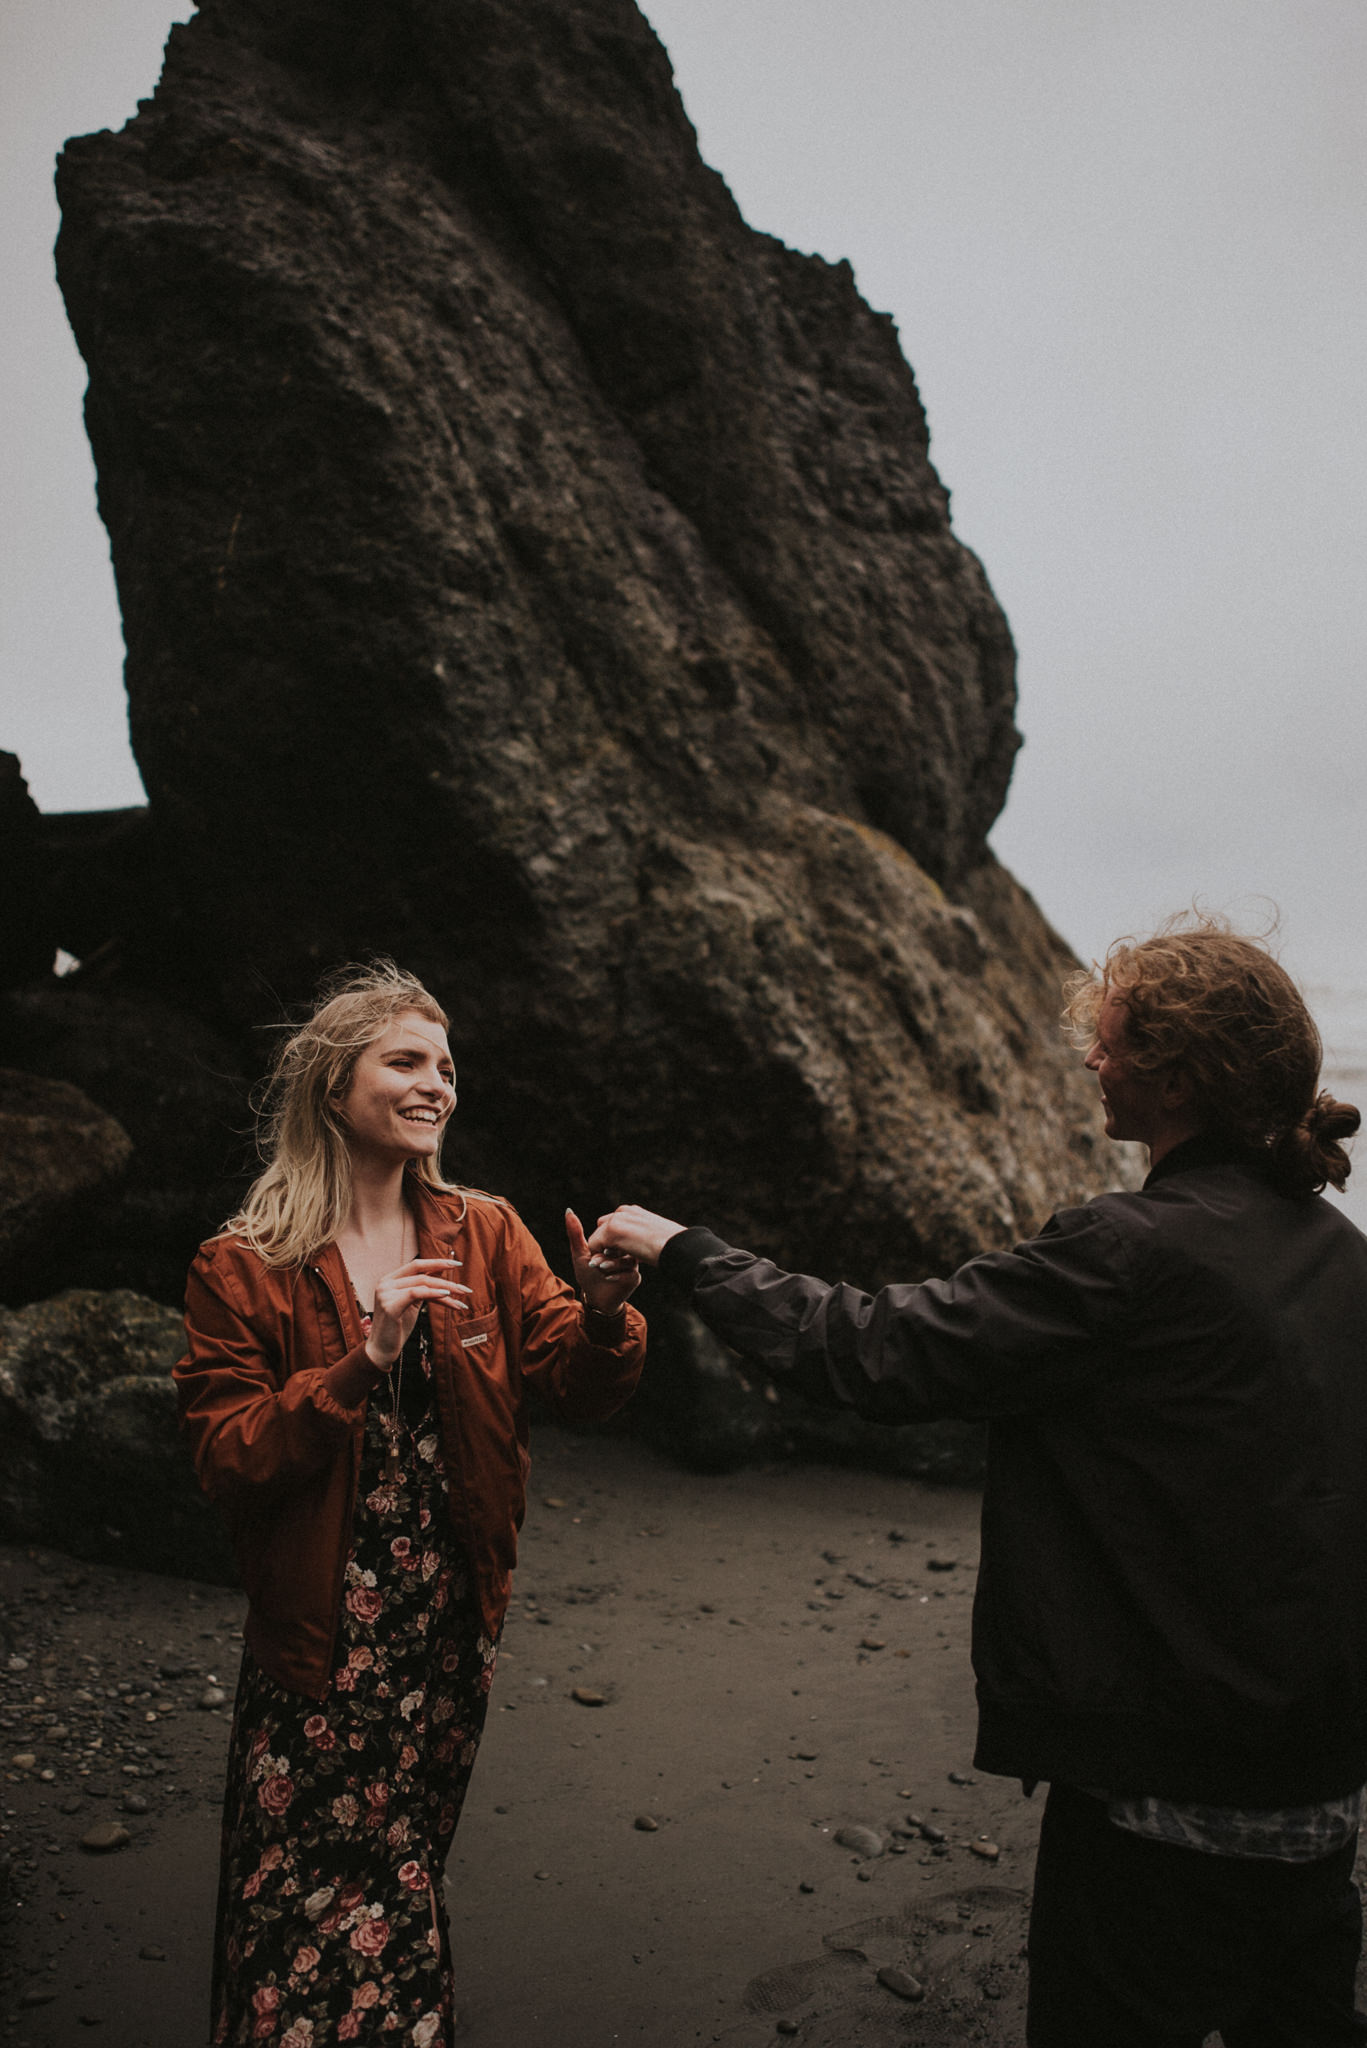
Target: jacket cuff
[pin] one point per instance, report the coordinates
(686, 1253)
(352, 1376)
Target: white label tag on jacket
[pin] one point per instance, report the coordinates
(468, 1343)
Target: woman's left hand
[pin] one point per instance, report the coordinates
(607, 1282)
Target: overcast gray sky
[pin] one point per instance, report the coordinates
(1126, 250)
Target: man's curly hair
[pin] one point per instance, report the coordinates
(1203, 1000)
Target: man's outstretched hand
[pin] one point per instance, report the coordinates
(638, 1233)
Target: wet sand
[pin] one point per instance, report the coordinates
(779, 1654)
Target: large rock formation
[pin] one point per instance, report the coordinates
(60, 1157)
(90, 1460)
(530, 570)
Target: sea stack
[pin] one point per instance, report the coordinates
(533, 572)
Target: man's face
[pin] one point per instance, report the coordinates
(1136, 1105)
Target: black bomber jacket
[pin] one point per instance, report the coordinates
(1173, 1591)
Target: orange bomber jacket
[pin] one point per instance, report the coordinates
(280, 1454)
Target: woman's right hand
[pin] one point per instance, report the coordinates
(398, 1298)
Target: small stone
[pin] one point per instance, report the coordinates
(552, 1500)
(989, 1851)
(864, 1876)
(104, 1836)
(134, 1802)
(930, 1833)
(541, 1875)
(173, 1667)
(17, 1664)
(787, 2027)
(872, 1643)
(150, 1953)
(48, 1777)
(960, 1778)
(864, 1841)
(72, 1805)
(24, 1761)
(942, 1564)
(587, 1697)
(901, 1983)
(806, 1885)
(37, 1994)
(646, 1824)
(804, 1756)
(211, 1697)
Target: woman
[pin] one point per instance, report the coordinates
(360, 1336)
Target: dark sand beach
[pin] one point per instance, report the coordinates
(765, 1658)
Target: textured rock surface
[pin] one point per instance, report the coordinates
(531, 571)
(178, 1093)
(90, 1460)
(59, 1155)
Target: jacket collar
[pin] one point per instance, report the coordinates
(1207, 1148)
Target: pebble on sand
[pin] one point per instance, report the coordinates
(104, 1836)
(901, 1982)
(987, 1850)
(864, 1841)
(587, 1697)
(647, 1824)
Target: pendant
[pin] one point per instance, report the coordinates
(390, 1425)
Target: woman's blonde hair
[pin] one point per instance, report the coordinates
(303, 1197)
(1203, 1000)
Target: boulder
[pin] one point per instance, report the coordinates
(531, 571)
(90, 1459)
(60, 1156)
(177, 1089)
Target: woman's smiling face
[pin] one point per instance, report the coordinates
(401, 1092)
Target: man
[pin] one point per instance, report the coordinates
(1171, 1618)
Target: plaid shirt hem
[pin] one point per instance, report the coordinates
(1288, 1834)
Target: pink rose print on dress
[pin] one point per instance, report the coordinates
(370, 1937)
(266, 2006)
(276, 1794)
(306, 1959)
(413, 1875)
(365, 1603)
(402, 1551)
(345, 1811)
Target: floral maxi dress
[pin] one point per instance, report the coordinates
(339, 1813)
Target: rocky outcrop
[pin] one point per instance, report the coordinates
(90, 1460)
(59, 1156)
(530, 571)
(27, 943)
(179, 1094)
